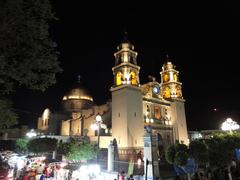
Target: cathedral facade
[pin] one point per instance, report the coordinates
(133, 106)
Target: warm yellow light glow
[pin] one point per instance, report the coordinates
(167, 93)
(94, 127)
(165, 78)
(133, 78)
(106, 130)
(78, 97)
(104, 126)
(175, 77)
(46, 114)
(179, 93)
(119, 78)
(147, 120)
(125, 57)
(157, 112)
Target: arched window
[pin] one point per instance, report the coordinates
(148, 112)
(175, 77)
(167, 93)
(133, 78)
(179, 93)
(165, 78)
(119, 78)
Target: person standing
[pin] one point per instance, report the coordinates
(121, 176)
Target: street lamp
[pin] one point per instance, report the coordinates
(31, 133)
(98, 122)
(229, 125)
(97, 125)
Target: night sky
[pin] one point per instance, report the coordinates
(202, 39)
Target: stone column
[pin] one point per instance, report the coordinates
(151, 166)
(111, 157)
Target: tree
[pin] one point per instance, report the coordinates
(198, 150)
(7, 116)
(28, 56)
(42, 145)
(221, 150)
(177, 155)
(21, 144)
(173, 152)
(170, 154)
(181, 158)
(79, 151)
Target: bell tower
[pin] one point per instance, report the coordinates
(171, 89)
(126, 70)
(127, 110)
(170, 85)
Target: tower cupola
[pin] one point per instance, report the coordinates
(126, 70)
(170, 85)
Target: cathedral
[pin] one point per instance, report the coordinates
(133, 106)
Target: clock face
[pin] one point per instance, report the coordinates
(156, 89)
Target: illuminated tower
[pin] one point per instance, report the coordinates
(170, 85)
(127, 113)
(171, 89)
(126, 70)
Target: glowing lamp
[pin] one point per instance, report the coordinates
(229, 125)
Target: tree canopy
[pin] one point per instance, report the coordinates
(7, 116)
(27, 54)
(198, 150)
(21, 145)
(221, 148)
(177, 154)
(42, 145)
(78, 151)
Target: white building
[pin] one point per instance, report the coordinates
(132, 107)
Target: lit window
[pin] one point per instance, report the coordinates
(175, 77)
(165, 78)
(119, 79)
(167, 93)
(157, 112)
(133, 78)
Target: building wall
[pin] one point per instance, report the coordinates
(127, 116)
(65, 128)
(179, 121)
(42, 124)
(88, 116)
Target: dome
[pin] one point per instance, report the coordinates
(78, 94)
(77, 99)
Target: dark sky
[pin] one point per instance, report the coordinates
(202, 39)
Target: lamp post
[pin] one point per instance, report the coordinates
(229, 125)
(97, 125)
(98, 122)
